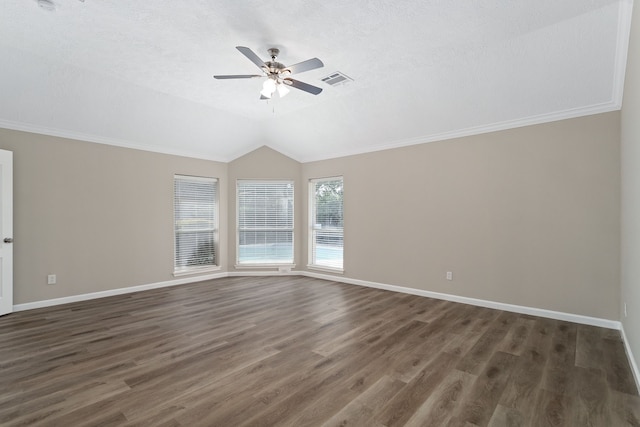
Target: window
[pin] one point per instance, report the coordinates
(265, 222)
(195, 223)
(326, 240)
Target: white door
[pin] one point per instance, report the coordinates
(6, 232)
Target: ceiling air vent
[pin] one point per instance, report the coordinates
(337, 79)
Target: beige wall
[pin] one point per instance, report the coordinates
(264, 163)
(528, 216)
(99, 217)
(631, 191)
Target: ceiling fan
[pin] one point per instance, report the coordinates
(277, 74)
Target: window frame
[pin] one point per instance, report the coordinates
(312, 208)
(186, 270)
(245, 264)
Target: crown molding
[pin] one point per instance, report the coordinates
(85, 137)
(573, 113)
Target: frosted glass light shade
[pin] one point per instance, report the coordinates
(269, 85)
(266, 93)
(283, 90)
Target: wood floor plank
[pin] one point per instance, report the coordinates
(592, 403)
(232, 400)
(561, 359)
(402, 407)
(294, 351)
(507, 417)
(626, 409)
(487, 389)
(588, 347)
(515, 341)
(363, 409)
(64, 401)
(441, 404)
(523, 383)
(616, 366)
(313, 388)
(475, 360)
(552, 409)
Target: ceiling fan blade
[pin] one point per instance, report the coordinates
(302, 86)
(252, 56)
(238, 76)
(308, 65)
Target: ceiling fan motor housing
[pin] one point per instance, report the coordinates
(273, 66)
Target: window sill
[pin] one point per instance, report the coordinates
(196, 270)
(325, 269)
(290, 266)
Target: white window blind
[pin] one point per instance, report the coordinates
(326, 223)
(195, 215)
(265, 222)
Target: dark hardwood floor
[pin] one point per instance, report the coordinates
(296, 351)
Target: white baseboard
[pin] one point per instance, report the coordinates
(557, 315)
(576, 318)
(112, 292)
(632, 360)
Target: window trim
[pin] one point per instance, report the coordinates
(247, 265)
(185, 271)
(311, 221)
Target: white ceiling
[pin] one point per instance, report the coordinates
(140, 73)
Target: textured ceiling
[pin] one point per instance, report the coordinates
(140, 73)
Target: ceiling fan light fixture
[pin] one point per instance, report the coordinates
(268, 88)
(283, 90)
(264, 94)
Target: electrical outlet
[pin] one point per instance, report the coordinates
(625, 309)
(51, 279)
(449, 275)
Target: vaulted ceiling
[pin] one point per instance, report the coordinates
(140, 74)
